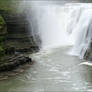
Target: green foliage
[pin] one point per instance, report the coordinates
(1, 49)
(3, 31)
(2, 52)
(1, 20)
(8, 6)
(3, 28)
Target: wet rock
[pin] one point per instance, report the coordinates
(9, 50)
(88, 54)
(3, 33)
(21, 70)
(30, 49)
(12, 74)
(18, 40)
(4, 78)
(19, 36)
(14, 61)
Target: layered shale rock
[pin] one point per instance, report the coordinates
(3, 33)
(19, 36)
(10, 63)
(15, 40)
(88, 54)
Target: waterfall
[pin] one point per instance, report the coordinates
(63, 25)
(83, 29)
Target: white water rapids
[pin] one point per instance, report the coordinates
(63, 25)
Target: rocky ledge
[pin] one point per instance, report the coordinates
(14, 61)
(16, 38)
(88, 54)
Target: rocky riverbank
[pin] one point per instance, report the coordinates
(88, 54)
(12, 62)
(15, 41)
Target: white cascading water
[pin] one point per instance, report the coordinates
(83, 29)
(63, 25)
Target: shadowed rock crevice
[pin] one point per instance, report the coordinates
(88, 54)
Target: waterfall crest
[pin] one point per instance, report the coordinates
(66, 25)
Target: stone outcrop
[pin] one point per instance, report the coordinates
(88, 54)
(19, 36)
(18, 41)
(3, 33)
(13, 62)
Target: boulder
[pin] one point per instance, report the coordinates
(88, 54)
(14, 62)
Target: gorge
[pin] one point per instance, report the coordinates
(56, 35)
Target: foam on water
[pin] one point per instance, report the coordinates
(86, 63)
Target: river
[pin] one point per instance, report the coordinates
(53, 70)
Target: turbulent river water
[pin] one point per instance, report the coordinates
(52, 71)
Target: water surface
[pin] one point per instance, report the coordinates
(53, 70)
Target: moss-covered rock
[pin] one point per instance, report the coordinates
(3, 32)
(88, 54)
(7, 5)
(3, 28)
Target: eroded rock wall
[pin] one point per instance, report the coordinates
(19, 35)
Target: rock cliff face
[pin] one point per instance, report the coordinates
(88, 54)
(3, 33)
(19, 36)
(15, 40)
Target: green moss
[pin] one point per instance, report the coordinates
(2, 52)
(3, 32)
(2, 20)
(1, 49)
(3, 28)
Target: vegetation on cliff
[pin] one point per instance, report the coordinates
(6, 6)
(13, 36)
(3, 33)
